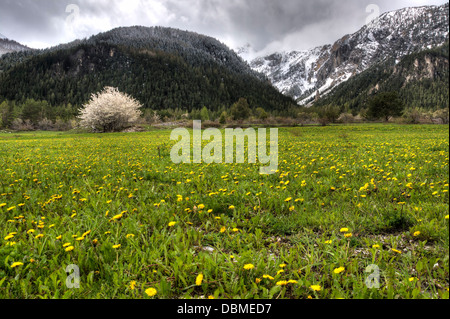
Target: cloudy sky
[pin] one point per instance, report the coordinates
(268, 25)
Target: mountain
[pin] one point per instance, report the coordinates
(393, 35)
(421, 80)
(161, 67)
(8, 46)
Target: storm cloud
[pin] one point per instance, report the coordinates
(266, 25)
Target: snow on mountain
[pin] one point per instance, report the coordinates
(301, 74)
(7, 46)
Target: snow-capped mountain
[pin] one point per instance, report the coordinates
(301, 74)
(7, 46)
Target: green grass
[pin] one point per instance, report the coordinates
(384, 183)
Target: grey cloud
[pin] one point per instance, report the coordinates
(261, 23)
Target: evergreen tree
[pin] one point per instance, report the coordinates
(385, 105)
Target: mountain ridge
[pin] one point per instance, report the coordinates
(161, 67)
(300, 74)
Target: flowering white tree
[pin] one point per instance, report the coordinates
(109, 111)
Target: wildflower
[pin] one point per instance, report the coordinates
(199, 280)
(116, 246)
(39, 236)
(223, 229)
(66, 244)
(280, 271)
(348, 235)
(258, 280)
(210, 297)
(235, 229)
(268, 277)
(16, 264)
(417, 233)
(70, 248)
(30, 231)
(171, 224)
(282, 283)
(117, 217)
(339, 270)
(231, 207)
(329, 242)
(316, 287)
(86, 233)
(396, 251)
(376, 246)
(291, 281)
(151, 292)
(132, 284)
(9, 237)
(446, 217)
(344, 230)
(130, 236)
(412, 279)
(201, 207)
(282, 265)
(249, 266)
(292, 208)
(287, 200)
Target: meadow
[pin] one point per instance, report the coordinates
(348, 205)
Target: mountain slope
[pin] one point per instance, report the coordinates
(8, 46)
(391, 36)
(421, 80)
(161, 67)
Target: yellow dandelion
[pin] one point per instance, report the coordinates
(117, 246)
(132, 284)
(70, 248)
(199, 280)
(16, 264)
(396, 251)
(339, 270)
(171, 224)
(344, 230)
(316, 287)
(417, 233)
(249, 266)
(348, 235)
(151, 292)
